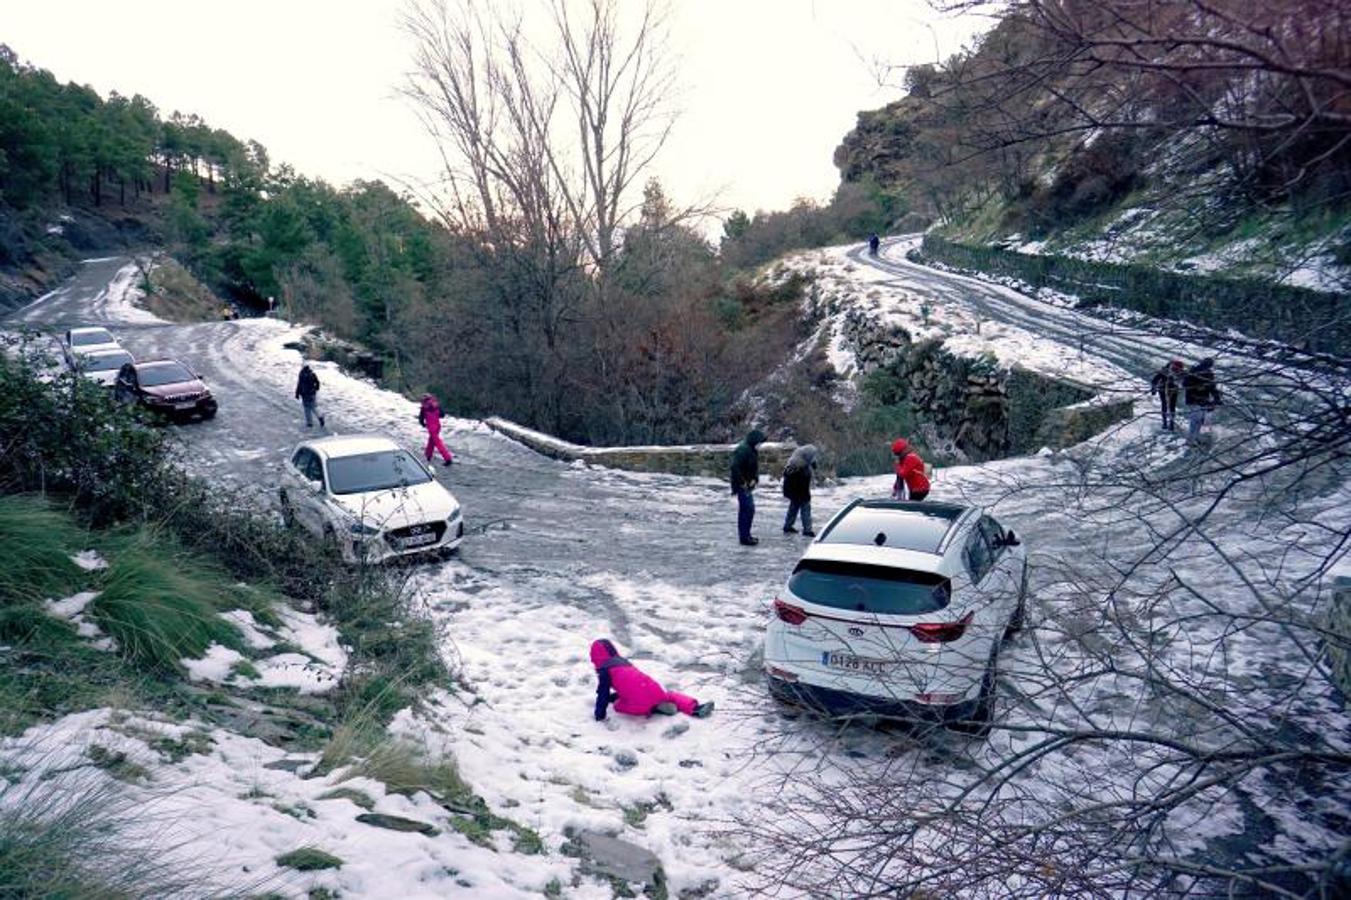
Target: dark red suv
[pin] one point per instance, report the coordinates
(166, 387)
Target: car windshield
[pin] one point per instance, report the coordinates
(105, 362)
(163, 373)
(376, 471)
(874, 589)
(85, 338)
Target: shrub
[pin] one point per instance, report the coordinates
(63, 837)
(38, 542)
(162, 605)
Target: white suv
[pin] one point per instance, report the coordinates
(899, 610)
(370, 497)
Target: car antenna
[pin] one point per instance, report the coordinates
(880, 539)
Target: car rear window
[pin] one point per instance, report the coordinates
(376, 471)
(860, 587)
(105, 362)
(163, 373)
(85, 338)
(901, 526)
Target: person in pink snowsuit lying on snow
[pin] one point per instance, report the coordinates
(633, 692)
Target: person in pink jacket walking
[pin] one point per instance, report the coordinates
(632, 691)
(429, 417)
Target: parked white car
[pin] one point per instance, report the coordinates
(899, 610)
(86, 340)
(369, 496)
(101, 365)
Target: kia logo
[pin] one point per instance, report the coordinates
(856, 632)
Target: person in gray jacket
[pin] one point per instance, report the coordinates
(797, 487)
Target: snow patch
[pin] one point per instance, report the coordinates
(215, 665)
(89, 560)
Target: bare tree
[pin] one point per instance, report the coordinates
(557, 132)
(546, 124)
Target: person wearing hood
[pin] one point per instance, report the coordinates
(429, 417)
(911, 482)
(634, 692)
(744, 476)
(797, 487)
(1166, 383)
(307, 392)
(1201, 394)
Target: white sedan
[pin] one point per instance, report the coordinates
(101, 365)
(899, 609)
(370, 497)
(86, 340)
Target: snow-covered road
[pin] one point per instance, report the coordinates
(560, 554)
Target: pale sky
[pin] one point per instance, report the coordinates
(768, 87)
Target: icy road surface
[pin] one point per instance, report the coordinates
(559, 555)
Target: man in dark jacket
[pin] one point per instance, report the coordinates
(1166, 383)
(1202, 396)
(744, 475)
(307, 392)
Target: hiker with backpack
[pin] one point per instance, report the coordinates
(874, 243)
(1166, 383)
(632, 691)
(797, 487)
(1201, 395)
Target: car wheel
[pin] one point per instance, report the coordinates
(288, 513)
(208, 415)
(1020, 611)
(978, 723)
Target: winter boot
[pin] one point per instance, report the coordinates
(789, 529)
(809, 533)
(665, 708)
(447, 463)
(750, 542)
(704, 710)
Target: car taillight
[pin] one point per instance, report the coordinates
(793, 615)
(940, 632)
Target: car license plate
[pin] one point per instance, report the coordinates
(854, 663)
(417, 540)
(182, 406)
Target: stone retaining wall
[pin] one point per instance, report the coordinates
(711, 460)
(984, 410)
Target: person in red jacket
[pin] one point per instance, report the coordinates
(911, 482)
